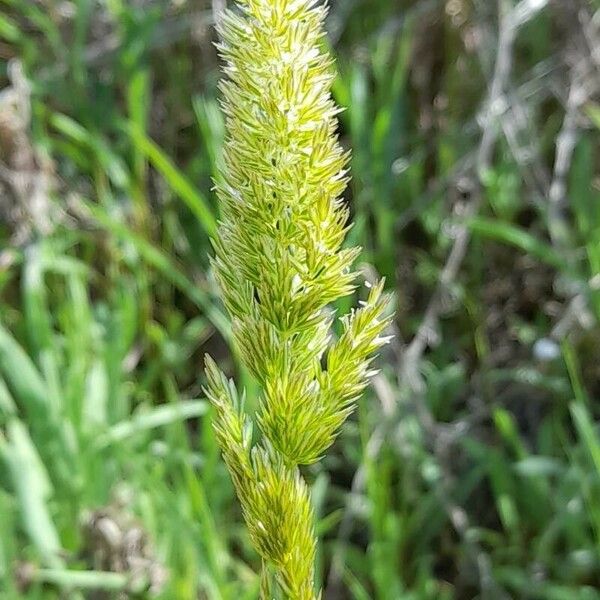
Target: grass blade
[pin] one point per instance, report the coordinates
(33, 490)
(157, 417)
(178, 182)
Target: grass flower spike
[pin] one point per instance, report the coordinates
(279, 262)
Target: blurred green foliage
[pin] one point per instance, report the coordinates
(483, 482)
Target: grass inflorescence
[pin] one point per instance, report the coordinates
(280, 264)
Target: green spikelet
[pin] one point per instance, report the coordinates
(279, 262)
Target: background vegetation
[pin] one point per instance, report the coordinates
(471, 469)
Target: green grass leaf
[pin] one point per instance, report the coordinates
(515, 236)
(156, 417)
(177, 181)
(33, 489)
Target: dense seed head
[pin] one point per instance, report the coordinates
(280, 262)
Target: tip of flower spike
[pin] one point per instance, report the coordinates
(376, 295)
(210, 365)
(216, 380)
(383, 340)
